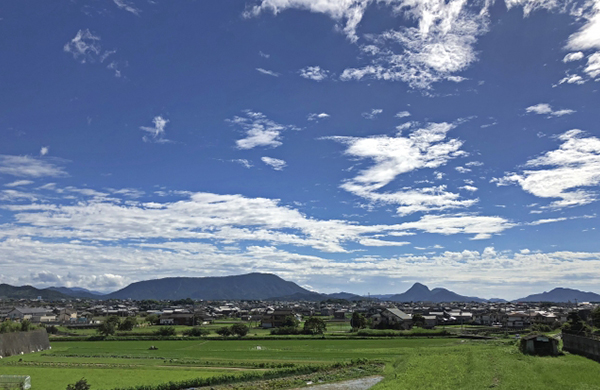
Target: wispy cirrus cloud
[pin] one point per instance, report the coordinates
(546, 109)
(562, 173)
(315, 73)
(26, 166)
(260, 131)
(373, 114)
(268, 72)
(156, 133)
(127, 6)
(274, 163)
(426, 147)
(85, 47)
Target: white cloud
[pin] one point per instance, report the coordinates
(314, 73)
(25, 166)
(264, 55)
(243, 162)
(19, 183)
(441, 44)
(44, 150)
(530, 6)
(372, 114)
(548, 220)
(588, 37)
(157, 133)
(481, 226)
(274, 163)
(402, 114)
(85, 47)
(593, 65)
(462, 169)
(574, 165)
(392, 156)
(350, 11)
(268, 72)
(316, 117)
(127, 6)
(576, 56)
(474, 164)
(572, 79)
(469, 188)
(260, 131)
(546, 109)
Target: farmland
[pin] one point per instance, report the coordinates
(410, 363)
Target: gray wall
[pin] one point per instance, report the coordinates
(582, 346)
(26, 342)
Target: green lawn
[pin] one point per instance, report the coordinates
(411, 363)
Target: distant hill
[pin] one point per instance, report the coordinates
(78, 292)
(562, 295)
(497, 300)
(29, 292)
(249, 286)
(421, 293)
(347, 296)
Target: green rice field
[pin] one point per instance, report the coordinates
(410, 363)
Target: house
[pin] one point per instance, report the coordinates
(392, 318)
(177, 319)
(26, 313)
(518, 319)
(276, 318)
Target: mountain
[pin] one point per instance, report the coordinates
(29, 292)
(347, 296)
(78, 292)
(497, 300)
(562, 295)
(249, 286)
(421, 293)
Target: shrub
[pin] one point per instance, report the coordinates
(79, 385)
(196, 332)
(285, 330)
(165, 331)
(224, 331)
(239, 329)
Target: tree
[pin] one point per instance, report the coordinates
(575, 324)
(314, 325)
(128, 323)
(290, 321)
(224, 331)
(358, 321)
(26, 326)
(196, 332)
(107, 328)
(418, 320)
(152, 319)
(239, 329)
(79, 385)
(596, 317)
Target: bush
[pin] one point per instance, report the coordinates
(196, 332)
(224, 331)
(128, 323)
(285, 330)
(314, 325)
(79, 385)
(165, 331)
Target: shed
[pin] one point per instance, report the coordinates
(539, 344)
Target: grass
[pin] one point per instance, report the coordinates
(410, 363)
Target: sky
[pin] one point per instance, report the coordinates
(345, 145)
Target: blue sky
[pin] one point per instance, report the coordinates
(355, 145)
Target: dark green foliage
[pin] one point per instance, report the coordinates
(290, 321)
(541, 328)
(128, 323)
(575, 325)
(8, 326)
(165, 331)
(196, 332)
(79, 385)
(224, 331)
(239, 329)
(153, 319)
(418, 320)
(107, 328)
(358, 321)
(26, 326)
(314, 325)
(285, 330)
(595, 317)
(183, 302)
